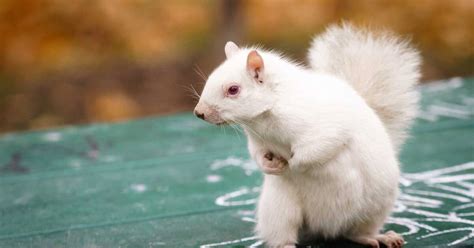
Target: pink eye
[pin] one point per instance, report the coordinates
(233, 90)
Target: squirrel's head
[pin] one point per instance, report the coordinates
(238, 90)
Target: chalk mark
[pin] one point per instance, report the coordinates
(428, 209)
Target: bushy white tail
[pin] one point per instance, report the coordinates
(382, 68)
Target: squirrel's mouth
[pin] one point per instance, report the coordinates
(222, 123)
(208, 113)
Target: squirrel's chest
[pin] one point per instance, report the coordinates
(274, 139)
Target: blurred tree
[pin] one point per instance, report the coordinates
(65, 62)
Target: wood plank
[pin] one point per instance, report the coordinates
(176, 181)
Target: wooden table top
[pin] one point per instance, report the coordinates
(176, 181)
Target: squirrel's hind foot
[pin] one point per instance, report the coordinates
(390, 239)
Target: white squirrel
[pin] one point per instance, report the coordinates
(326, 137)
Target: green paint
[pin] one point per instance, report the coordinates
(154, 182)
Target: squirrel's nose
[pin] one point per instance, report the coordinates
(199, 115)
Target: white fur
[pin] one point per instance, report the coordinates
(382, 68)
(230, 49)
(343, 172)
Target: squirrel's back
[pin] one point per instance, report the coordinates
(380, 67)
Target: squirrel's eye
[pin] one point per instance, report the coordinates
(233, 90)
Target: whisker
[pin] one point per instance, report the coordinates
(236, 130)
(247, 127)
(193, 93)
(223, 127)
(233, 126)
(200, 72)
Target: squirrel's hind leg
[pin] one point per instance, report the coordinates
(368, 234)
(390, 239)
(279, 216)
(367, 241)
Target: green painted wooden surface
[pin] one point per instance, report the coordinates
(177, 181)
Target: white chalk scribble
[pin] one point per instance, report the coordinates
(247, 165)
(431, 198)
(52, 136)
(138, 187)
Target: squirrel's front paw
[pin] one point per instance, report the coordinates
(273, 164)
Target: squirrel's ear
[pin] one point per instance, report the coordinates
(255, 65)
(230, 49)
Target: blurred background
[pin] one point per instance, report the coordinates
(74, 62)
